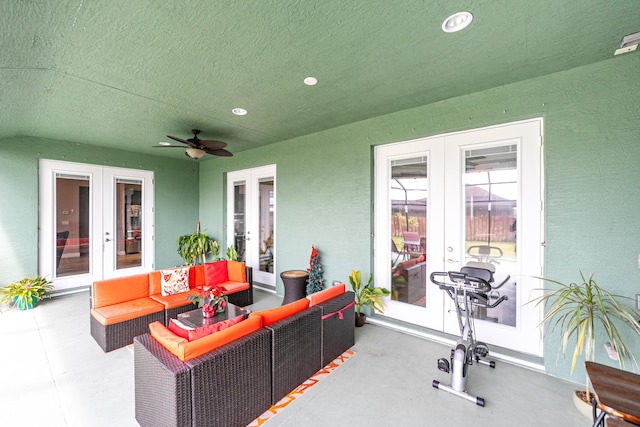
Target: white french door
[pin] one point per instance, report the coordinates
(453, 200)
(95, 222)
(251, 210)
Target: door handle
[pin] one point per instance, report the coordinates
(451, 261)
(107, 240)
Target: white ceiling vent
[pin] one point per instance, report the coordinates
(629, 43)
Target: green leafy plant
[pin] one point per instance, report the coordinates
(26, 292)
(195, 247)
(578, 309)
(367, 294)
(232, 253)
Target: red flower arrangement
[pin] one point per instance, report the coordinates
(212, 301)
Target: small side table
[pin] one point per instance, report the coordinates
(617, 393)
(295, 285)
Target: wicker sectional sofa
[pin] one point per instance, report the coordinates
(231, 377)
(123, 307)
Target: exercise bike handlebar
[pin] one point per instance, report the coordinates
(460, 281)
(474, 286)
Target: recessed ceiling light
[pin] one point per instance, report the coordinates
(239, 111)
(164, 143)
(311, 81)
(456, 22)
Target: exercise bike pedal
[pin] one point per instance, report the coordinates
(443, 365)
(481, 350)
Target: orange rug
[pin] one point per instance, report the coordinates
(302, 388)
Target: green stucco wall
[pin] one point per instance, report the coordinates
(176, 198)
(324, 182)
(592, 151)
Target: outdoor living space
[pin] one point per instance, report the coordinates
(397, 139)
(56, 375)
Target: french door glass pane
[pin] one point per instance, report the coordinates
(72, 213)
(491, 201)
(266, 203)
(128, 231)
(239, 226)
(408, 190)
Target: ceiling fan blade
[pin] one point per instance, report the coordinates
(220, 152)
(175, 138)
(212, 144)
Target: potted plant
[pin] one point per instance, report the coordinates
(366, 295)
(26, 293)
(196, 246)
(579, 311)
(232, 253)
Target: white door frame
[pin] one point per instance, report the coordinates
(446, 182)
(432, 149)
(102, 221)
(251, 179)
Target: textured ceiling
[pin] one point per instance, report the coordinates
(124, 74)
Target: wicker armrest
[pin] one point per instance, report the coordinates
(245, 297)
(296, 350)
(231, 385)
(338, 326)
(162, 385)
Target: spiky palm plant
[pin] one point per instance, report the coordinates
(578, 309)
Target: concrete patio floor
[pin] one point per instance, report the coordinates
(54, 374)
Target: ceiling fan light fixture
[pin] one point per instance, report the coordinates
(195, 153)
(456, 22)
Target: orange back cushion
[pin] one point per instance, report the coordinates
(120, 289)
(326, 294)
(237, 271)
(216, 272)
(154, 283)
(197, 276)
(185, 350)
(273, 315)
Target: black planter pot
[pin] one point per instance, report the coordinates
(360, 320)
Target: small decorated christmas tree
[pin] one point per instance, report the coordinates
(315, 282)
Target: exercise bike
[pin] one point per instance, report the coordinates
(468, 288)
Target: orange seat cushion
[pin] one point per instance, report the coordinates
(116, 313)
(326, 294)
(187, 350)
(172, 301)
(272, 315)
(233, 287)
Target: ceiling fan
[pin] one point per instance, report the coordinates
(199, 147)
